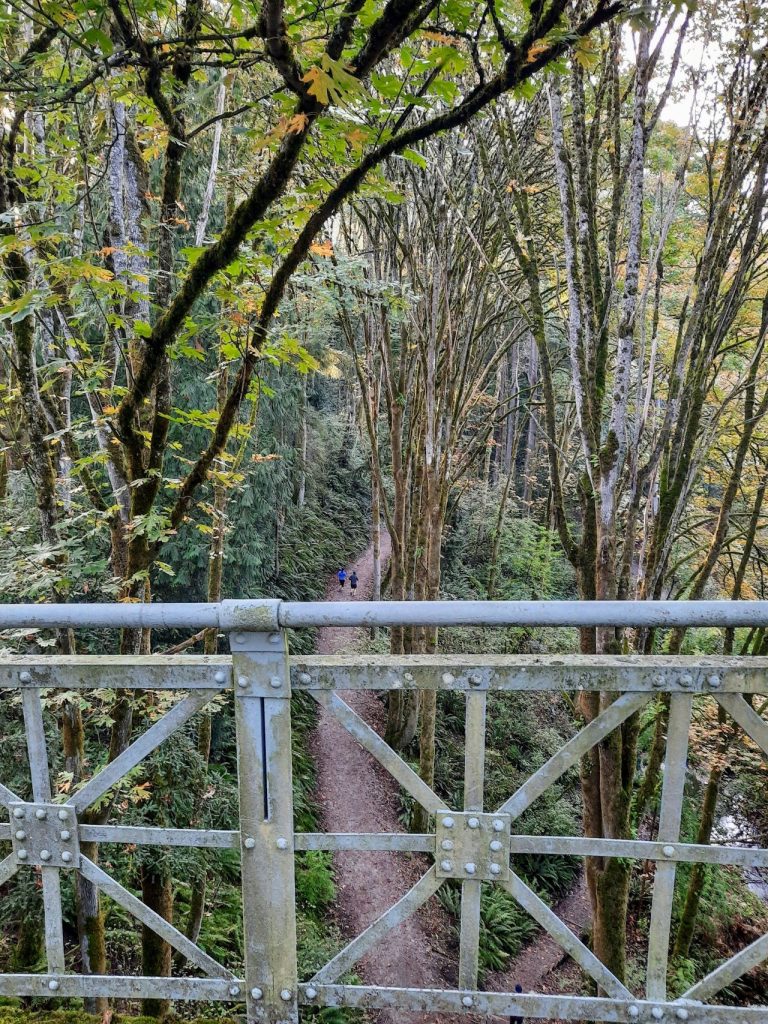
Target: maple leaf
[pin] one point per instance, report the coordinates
(439, 37)
(321, 249)
(330, 81)
(535, 51)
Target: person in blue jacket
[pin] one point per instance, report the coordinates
(342, 576)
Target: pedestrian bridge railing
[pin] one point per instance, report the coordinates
(45, 832)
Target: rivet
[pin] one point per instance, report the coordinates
(242, 681)
(219, 677)
(66, 856)
(467, 1001)
(66, 835)
(445, 865)
(239, 638)
(668, 851)
(285, 995)
(470, 868)
(18, 812)
(447, 822)
(498, 825)
(447, 844)
(682, 1014)
(408, 676)
(474, 823)
(25, 677)
(21, 835)
(249, 843)
(22, 854)
(256, 993)
(282, 843)
(495, 869)
(40, 814)
(714, 681)
(657, 1013)
(658, 682)
(495, 845)
(310, 992)
(686, 679)
(305, 678)
(633, 1011)
(275, 682)
(53, 985)
(234, 990)
(45, 855)
(447, 678)
(475, 679)
(63, 815)
(275, 638)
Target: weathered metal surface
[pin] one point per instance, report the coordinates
(675, 768)
(472, 846)
(266, 826)
(260, 615)
(531, 1007)
(108, 672)
(262, 677)
(44, 835)
(684, 674)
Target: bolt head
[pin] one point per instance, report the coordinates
(657, 1013)
(45, 855)
(682, 1014)
(21, 835)
(286, 995)
(282, 843)
(447, 678)
(498, 825)
(234, 990)
(310, 992)
(686, 679)
(18, 812)
(66, 856)
(448, 822)
(275, 682)
(219, 677)
(668, 851)
(658, 683)
(22, 854)
(66, 835)
(40, 814)
(53, 985)
(305, 678)
(256, 993)
(467, 1001)
(275, 638)
(63, 814)
(408, 676)
(495, 845)
(474, 823)
(447, 844)
(714, 681)
(470, 868)
(25, 677)
(475, 679)
(242, 681)
(495, 869)
(445, 865)
(249, 843)
(633, 1011)
(239, 638)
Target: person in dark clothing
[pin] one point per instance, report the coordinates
(342, 577)
(517, 1020)
(353, 583)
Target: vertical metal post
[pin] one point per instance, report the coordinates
(37, 749)
(471, 890)
(675, 767)
(263, 717)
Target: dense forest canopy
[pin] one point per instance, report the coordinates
(482, 286)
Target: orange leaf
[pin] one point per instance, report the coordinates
(535, 51)
(322, 249)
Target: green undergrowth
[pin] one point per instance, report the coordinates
(14, 1013)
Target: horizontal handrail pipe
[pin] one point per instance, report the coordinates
(267, 615)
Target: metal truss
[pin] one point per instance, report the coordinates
(469, 843)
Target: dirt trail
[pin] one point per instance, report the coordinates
(357, 795)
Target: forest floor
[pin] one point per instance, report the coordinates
(356, 794)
